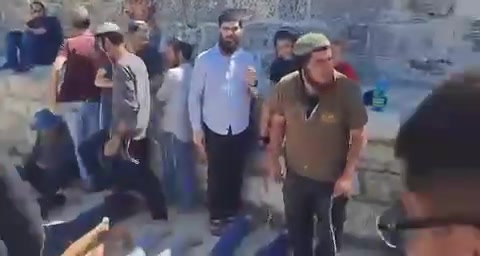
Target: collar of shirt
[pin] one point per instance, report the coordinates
(236, 53)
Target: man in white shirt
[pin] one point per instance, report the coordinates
(177, 140)
(219, 106)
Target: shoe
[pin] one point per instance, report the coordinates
(23, 69)
(58, 200)
(7, 66)
(217, 227)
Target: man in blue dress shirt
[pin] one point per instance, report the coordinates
(223, 83)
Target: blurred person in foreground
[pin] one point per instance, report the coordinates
(318, 114)
(177, 142)
(437, 152)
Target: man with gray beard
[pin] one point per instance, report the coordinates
(223, 80)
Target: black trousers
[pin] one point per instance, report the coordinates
(48, 181)
(226, 155)
(121, 175)
(305, 199)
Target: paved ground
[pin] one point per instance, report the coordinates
(193, 224)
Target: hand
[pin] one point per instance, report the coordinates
(52, 105)
(199, 140)
(251, 76)
(344, 185)
(112, 146)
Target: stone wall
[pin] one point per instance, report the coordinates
(388, 37)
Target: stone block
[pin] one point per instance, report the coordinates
(380, 186)
(361, 219)
(30, 86)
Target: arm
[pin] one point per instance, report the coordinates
(195, 95)
(357, 119)
(275, 113)
(57, 67)
(101, 80)
(128, 104)
(170, 82)
(86, 243)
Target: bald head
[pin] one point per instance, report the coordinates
(80, 17)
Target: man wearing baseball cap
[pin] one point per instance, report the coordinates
(125, 144)
(319, 112)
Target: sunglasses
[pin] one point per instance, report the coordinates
(393, 228)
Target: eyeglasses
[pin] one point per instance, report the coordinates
(394, 228)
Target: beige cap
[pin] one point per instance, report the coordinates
(310, 42)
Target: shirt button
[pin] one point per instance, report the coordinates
(305, 167)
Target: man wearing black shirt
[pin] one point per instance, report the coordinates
(37, 44)
(284, 62)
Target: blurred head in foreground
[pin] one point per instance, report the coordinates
(438, 151)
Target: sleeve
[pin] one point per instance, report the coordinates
(195, 95)
(169, 83)
(355, 109)
(274, 76)
(129, 105)
(276, 101)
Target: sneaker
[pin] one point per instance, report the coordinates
(216, 227)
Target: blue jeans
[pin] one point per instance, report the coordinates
(82, 119)
(24, 49)
(179, 174)
(20, 48)
(106, 111)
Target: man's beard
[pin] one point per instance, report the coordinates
(228, 47)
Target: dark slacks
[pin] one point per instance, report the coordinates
(48, 181)
(226, 155)
(305, 199)
(122, 175)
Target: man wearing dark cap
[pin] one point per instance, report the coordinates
(437, 153)
(72, 92)
(52, 164)
(318, 112)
